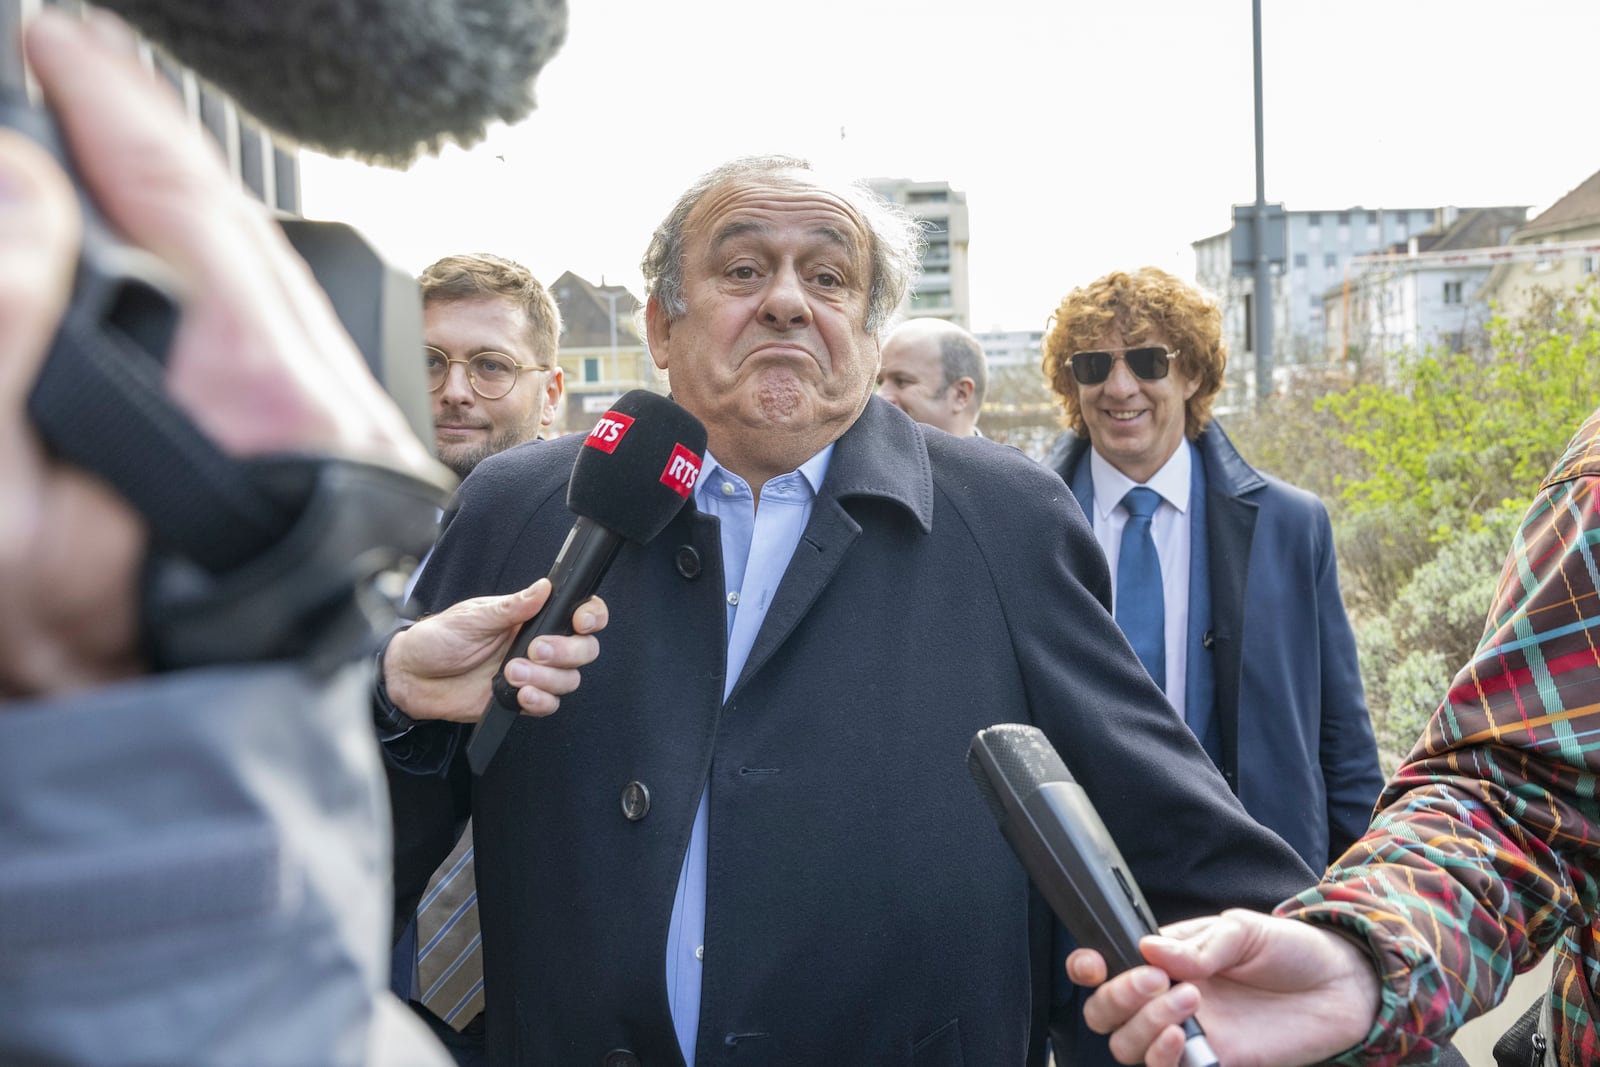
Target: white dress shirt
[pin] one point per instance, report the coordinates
(1170, 529)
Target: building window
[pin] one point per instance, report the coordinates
(1544, 263)
(1314, 219)
(1452, 292)
(1591, 264)
(1299, 259)
(1344, 218)
(1330, 260)
(591, 368)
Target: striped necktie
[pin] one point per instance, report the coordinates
(449, 945)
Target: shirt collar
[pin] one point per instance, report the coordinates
(1172, 481)
(813, 470)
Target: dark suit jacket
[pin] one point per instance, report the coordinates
(862, 907)
(1296, 738)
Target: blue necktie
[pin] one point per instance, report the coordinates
(1141, 611)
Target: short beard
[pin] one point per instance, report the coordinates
(463, 458)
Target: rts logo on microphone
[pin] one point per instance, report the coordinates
(607, 433)
(683, 470)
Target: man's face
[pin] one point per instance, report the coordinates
(772, 353)
(911, 378)
(466, 427)
(1134, 423)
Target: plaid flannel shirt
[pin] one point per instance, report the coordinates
(1485, 853)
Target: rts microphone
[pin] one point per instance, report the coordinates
(632, 475)
(1049, 822)
(381, 80)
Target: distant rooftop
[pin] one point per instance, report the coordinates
(1580, 205)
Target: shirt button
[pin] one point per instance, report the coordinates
(733, 598)
(700, 952)
(727, 489)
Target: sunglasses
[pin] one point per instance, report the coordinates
(1149, 362)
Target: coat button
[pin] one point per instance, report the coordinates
(1208, 639)
(688, 562)
(620, 1057)
(635, 801)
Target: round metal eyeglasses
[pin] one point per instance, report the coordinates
(491, 374)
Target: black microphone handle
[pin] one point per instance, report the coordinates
(1073, 862)
(583, 560)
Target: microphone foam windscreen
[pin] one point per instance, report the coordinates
(382, 80)
(638, 465)
(1010, 762)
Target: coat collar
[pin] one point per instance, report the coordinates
(1226, 470)
(884, 455)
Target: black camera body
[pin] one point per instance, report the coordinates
(255, 559)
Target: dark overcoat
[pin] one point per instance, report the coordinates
(862, 907)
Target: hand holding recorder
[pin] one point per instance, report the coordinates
(1049, 822)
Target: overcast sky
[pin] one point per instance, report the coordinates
(1087, 137)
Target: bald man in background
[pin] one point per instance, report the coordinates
(935, 372)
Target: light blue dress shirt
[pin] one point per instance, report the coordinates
(756, 547)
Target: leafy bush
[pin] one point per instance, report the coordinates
(1426, 461)
(1410, 654)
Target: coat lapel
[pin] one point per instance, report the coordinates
(1231, 524)
(882, 455)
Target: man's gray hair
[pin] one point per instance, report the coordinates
(896, 238)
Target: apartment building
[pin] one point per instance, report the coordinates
(941, 291)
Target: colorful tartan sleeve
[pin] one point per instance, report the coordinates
(1485, 853)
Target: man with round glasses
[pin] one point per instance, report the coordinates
(490, 332)
(1227, 586)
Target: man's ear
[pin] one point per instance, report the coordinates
(658, 331)
(552, 397)
(964, 388)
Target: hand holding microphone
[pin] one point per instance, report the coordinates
(1050, 823)
(634, 472)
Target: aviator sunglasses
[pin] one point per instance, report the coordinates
(1147, 361)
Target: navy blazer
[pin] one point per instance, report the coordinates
(1296, 740)
(862, 906)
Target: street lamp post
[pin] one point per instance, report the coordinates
(1263, 273)
(611, 310)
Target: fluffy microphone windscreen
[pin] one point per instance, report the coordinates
(381, 80)
(638, 465)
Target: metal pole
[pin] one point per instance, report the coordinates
(1263, 278)
(611, 307)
